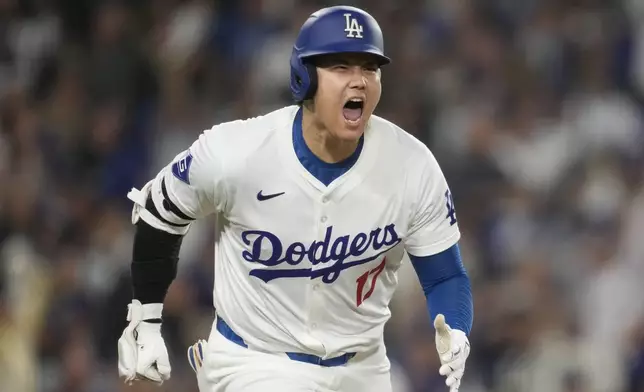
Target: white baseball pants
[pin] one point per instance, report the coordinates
(229, 367)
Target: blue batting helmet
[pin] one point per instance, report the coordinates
(340, 29)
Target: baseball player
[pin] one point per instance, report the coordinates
(316, 204)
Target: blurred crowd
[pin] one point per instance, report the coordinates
(534, 109)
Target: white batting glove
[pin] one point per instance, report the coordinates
(195, 355)
(453, 349)
(141, 348)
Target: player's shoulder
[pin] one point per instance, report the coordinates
(399, 141)
(240, 137)
(254, 128)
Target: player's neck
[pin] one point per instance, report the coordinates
(321, 143)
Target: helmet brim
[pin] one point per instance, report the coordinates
(380, 58)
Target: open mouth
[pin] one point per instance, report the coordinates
(352, 110)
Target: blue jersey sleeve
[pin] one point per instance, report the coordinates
(446, 287)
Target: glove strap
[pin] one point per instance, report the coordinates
(138, 312)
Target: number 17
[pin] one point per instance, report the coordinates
(362, 281)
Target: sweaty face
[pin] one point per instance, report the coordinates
(348, 92)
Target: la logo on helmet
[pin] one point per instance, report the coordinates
(353, 28)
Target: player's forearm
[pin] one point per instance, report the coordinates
(154, 262)
(447, 287)
(453, 299)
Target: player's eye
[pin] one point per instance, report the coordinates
(370, 67)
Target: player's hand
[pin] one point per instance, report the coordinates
(453, 349)
(141, 348)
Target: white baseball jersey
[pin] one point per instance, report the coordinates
(300, 266)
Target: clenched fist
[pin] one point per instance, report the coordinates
(141, 348)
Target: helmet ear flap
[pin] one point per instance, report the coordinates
(299, 78)
(312, 74)
(304, 79)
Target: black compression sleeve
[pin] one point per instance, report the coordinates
(154, 262)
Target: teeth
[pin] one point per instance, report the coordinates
(356, 99)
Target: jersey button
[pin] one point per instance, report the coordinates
(325, 199)
(316, 287)
(323, 219)
(314, 325)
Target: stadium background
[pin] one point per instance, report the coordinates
(533, 108)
